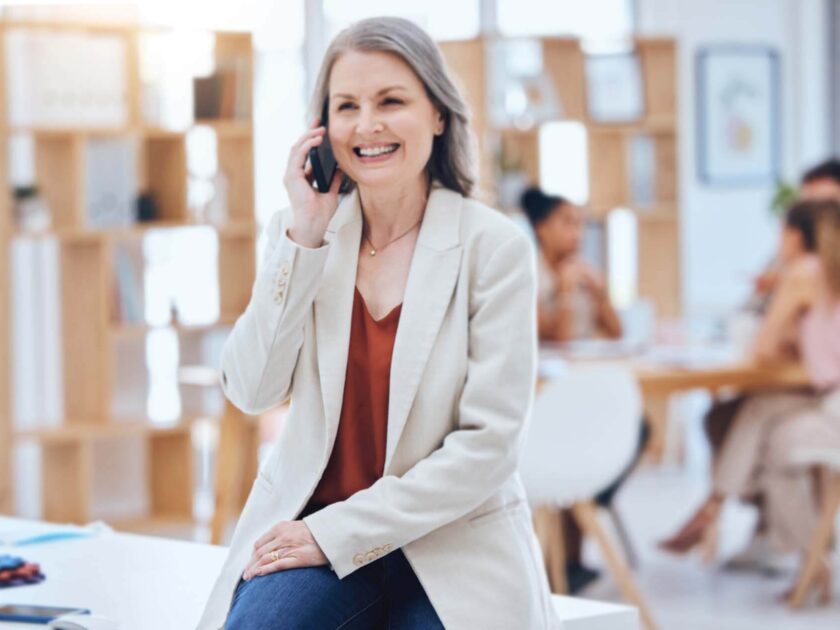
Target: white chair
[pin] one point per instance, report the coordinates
(828, 459)
(583, 433)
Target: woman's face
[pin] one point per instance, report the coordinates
(560, 234)
(381, 122)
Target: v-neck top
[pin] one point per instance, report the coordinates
(357, 460)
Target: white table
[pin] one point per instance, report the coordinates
(146, 583)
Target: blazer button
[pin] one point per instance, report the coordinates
(358, 559)
(370, 556)
(387, 548)
(284, 268)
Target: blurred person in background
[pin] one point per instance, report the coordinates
(792, 505)
(573, 303)
(738, 469)
(819, 183)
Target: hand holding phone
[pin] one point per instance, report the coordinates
(323, 164)
(313, 209)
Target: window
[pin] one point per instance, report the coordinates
(442, 19)
(602, 24)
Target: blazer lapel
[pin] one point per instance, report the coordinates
(428, 292)
(334, 307)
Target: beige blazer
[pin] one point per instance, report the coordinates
(462, 380)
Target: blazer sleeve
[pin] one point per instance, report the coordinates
(480, 454)
(260, 355)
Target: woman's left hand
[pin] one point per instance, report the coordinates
(287, 545)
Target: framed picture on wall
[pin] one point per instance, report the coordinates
(739, 127)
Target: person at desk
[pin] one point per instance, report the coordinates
(400, 319)
(819, 183)
(737, 469)
(791, 506)
(573, 302)
(572, 305)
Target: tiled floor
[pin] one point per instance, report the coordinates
(682, 592)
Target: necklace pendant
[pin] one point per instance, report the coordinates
(373, 252)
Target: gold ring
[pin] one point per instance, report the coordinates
(274, 556)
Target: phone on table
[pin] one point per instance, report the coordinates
(32, 613)
(323, 160)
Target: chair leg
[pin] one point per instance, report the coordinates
(586, 514)
(819, 544)
(624, 538)
(548, 524)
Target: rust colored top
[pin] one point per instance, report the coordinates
(358, 455)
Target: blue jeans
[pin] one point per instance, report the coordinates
(384, 594)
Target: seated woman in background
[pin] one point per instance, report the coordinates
(791, 505)
(819, 183)
(572, 298)
(572, 304)
(737, 469)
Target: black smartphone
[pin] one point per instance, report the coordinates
(322, 159)
(30, 613)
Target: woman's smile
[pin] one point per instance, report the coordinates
(375, 153)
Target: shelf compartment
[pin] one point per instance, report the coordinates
(237, 271)
(236, 162)
(65, 482)
(171, 482)
(164, 175)
(608, 169)
(659, 264)
(563, 60)
(59, 174)
(659, 69)
(85, 298)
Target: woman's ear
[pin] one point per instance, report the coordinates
(441, 124)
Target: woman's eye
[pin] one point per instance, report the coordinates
(392, 101)
(344, 106)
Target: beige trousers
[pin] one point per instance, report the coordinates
(792, 505)
(758, 458)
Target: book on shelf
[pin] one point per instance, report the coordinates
(128, 305)
(224, 94)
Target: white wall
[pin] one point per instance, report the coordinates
(727, 233)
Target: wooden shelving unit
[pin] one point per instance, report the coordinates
(91, 337)
(610, 166)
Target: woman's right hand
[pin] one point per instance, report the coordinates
(312, 209)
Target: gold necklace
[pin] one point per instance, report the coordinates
(374, 249)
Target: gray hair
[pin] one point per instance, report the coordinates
(452, 159)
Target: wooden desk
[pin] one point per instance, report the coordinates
(659, 383)
(660, 380)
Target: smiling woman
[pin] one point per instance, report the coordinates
(400, 318)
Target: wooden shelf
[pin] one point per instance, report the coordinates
(657, 212)
(654, 125)
(236, 229)
(92, 354)
(232, 128)
(139, 331)
(81, 430)
(94, 132)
